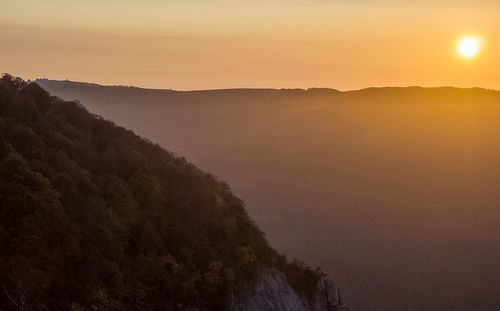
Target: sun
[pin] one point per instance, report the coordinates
(469, 46)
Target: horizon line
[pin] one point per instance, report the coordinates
(270, 88)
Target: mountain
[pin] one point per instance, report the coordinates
(393, 191)
(94, 217)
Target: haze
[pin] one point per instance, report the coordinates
(224, 44)
(393, 192)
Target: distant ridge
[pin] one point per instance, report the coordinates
(69, 83)
(312, 91)
(107, 95)
(420, 88)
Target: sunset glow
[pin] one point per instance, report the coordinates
(195, 45)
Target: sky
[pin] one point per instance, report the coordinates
(194, 44)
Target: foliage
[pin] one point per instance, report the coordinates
(93, 217)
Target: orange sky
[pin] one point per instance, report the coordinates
(194, 44)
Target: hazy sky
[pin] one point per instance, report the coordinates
(193, 44)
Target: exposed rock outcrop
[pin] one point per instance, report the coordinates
(272, 292)
(327, 297)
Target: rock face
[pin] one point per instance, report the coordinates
(272, 292)
(327, 297)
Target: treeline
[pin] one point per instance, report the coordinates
(93, 217)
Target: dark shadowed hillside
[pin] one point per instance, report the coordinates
(394, 191)
(93, 217)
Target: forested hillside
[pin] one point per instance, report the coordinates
(93, 217)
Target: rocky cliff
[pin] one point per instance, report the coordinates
(272, 292)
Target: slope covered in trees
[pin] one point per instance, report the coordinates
(93, 217)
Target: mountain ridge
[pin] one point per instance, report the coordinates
(52, 83)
